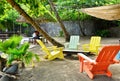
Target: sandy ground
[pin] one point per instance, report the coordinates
(67, 69)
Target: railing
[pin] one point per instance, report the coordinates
(6, 35)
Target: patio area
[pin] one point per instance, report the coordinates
(67, 69)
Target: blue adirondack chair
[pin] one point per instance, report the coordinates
(118, 56)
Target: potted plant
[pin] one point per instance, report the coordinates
(13, 51)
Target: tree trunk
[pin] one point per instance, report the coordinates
(33, 23)
(22, 65)
(66, 34)
(81, 30)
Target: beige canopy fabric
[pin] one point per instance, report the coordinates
(111, 12)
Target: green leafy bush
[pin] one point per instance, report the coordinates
(61, 33)
(102, 33)
(17, 52)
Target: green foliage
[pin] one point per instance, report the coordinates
(67, 9)
(84, 16)
(11, 15)
(113, 1)
(8, 13)
(12, 42)
(2, 27)
(1, 8)
(102, 33)
(61, 33)
(24, 24)
(36, 9)
(118, 23)
(17, 52)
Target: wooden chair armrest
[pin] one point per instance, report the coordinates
(84, 45)
(52, 47)
(116, 61)
(99, 46)
(59, 48)
(86, 58)
(55, 48)
(78, 44)
(66, 44)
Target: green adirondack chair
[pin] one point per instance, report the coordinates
(74, 43)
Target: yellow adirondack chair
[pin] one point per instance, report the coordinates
(52, 52)
(93, 46)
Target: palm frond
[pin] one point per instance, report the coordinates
(15, 52)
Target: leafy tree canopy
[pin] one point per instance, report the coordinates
(67, 9)
(70, 9)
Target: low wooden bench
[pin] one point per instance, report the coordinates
(69, 52)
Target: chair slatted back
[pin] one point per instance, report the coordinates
(105, 58)
(44, 48)
(95, 41)
(108, 53)
(41, 43)
(74, 40)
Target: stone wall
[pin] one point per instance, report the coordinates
(114, 31)
(73, 27)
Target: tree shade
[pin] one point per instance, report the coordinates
(110, 12)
